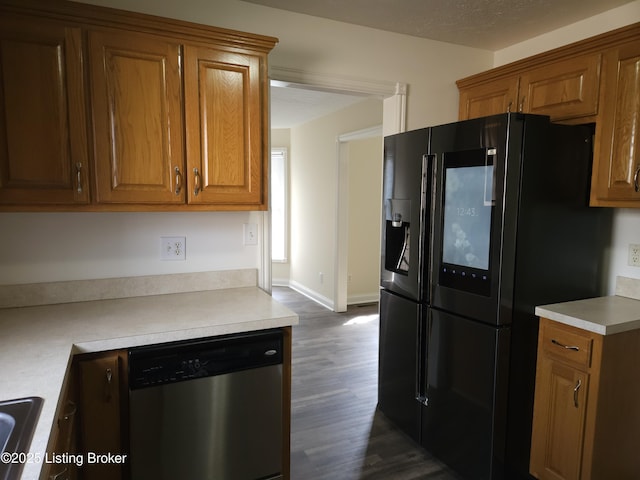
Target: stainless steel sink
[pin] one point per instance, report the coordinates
(18, 419)
(7, 424)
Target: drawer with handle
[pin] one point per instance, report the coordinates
(566, 343)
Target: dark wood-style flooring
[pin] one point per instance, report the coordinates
(336, 431)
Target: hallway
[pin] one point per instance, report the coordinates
(336, 431)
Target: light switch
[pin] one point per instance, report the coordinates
(250, 234)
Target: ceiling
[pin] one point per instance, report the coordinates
(486, 24)
(292, 106)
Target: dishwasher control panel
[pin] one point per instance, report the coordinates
(178, 361)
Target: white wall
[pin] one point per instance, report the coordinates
(317, 45)
(314, 196)
(365, 213)
(49, 247)
(626, 222)
(44, 247)
(605, 22)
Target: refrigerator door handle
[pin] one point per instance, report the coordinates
(426, 223)
(422, 377)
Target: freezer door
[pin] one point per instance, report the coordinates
(406, 214)
(464, 415)
(398, 362)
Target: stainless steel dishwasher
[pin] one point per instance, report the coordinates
(207, 410)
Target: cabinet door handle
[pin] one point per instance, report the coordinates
(196, 185)
(509, 106)
(70, 411)
(575, 393)
(178, 181)
(568, 347)
(107, 385)
(521, 106)
(79, 177)
(63, 475)
(635, 179)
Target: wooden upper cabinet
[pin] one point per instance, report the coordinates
(136, 92)
(563, 90)
(617, 168)
(596, 80)
(491, 98)
(43, 141)
(109, 110)
(226, 161)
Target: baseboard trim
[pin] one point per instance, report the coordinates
(312, 294)
(363, 298)
(322, 300)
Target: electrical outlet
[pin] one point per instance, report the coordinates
(634, 255)
(173, 248)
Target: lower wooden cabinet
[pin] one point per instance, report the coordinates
(65, 436)
(91, 420)
(103, 412)
(586, 421)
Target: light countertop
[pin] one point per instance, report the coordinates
(38, 342)
(603, 315)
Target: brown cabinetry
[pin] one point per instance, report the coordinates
(490, 98)
(563, 90)
(137, 117)
(103, 412)
(586, 420)
(596, 80)
(223, 102)
(617, 165)
(43, 141)
(144, 113)
(64, 435)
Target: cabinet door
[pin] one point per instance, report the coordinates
(137, 117)
(498, 96)
(562, 90)
(617, 159)
(226, 151)
(43, 141)
(558, 421)
(101, 411)
(64, 434)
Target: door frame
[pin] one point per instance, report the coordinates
(394, 96)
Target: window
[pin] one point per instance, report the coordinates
(279, 216)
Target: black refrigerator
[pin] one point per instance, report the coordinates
(490, 222)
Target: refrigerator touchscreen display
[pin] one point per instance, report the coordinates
(467, 216)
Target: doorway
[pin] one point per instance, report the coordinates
(335, 295)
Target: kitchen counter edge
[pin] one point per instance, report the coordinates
(602, 315)
(58, 332)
